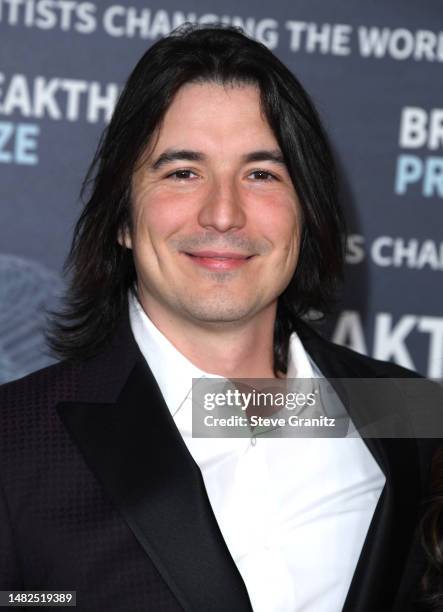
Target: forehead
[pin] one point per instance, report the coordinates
(215, 115)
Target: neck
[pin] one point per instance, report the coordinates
(232, 350)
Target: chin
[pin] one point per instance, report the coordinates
(218, 313)
(219, 316)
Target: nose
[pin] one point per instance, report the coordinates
(222, 208)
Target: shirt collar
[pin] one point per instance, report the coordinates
(300, 364)
(171, 369)
(174, 372)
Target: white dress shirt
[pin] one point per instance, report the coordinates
(294, 512)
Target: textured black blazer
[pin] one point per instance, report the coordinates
(99, 494)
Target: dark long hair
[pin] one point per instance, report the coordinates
(102, 271)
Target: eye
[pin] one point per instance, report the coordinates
(181, 175)
(263, 175)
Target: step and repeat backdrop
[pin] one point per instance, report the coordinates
(374, 70)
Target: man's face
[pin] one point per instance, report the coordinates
(216, 220)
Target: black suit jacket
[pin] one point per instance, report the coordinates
(99, 494)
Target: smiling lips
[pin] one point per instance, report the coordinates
(219, 260)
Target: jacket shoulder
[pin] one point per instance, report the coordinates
(48, 386)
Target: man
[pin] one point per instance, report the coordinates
(211, 228)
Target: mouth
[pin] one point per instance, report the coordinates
(219, 260)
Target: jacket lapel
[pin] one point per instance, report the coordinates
(384, 555)
(137, 454)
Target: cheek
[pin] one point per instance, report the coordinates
(157, 217)
(280, 221)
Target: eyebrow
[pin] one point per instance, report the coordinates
(171, 155)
